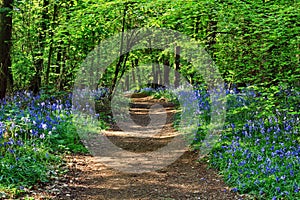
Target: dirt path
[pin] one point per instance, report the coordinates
(89, 178)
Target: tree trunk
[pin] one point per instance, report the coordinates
(138, 72)
(10, 81)
(159, 74)
(166, 71)
(39, 61)
(51, 45)
(177, 66)
(212, 35)
(127, 83)
(5, 44)
(154, 74)
(121, 57)
(61, 80)
(133, 74)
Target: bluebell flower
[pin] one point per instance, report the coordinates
(42, 136)
(242, 163)
(233, 126)
(259, 158)
(20, 143)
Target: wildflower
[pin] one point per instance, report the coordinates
(20, 143)
(242, 163)
(296, 187)
(288, 128)
(261, 192)
(11, 150)
(232, 126)
(259, 158)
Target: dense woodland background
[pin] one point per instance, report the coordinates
(44, 42)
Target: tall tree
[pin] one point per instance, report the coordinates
(51, 33)
(5, 43)
(39, 60)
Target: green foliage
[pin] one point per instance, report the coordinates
(65, 139)
(28, 165)
(34, 138)
(257, 152)
(253, 43)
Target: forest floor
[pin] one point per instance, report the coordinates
(186, 178)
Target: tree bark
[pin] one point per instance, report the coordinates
(177, 66)
(133, 73)
(166, 71)
(138, 73)
(212, 35)
(51, 45)
(5, 44)
(39, 61)
(127, 83)
(159, 72)
(122, 56)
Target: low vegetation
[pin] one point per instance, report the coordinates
(35, 133)
(253, 46)
(258, 152)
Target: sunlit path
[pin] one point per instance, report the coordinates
(98, 177)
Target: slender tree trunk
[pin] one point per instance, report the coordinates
(154, 64)
(127, 83)
(10, 81)
(39, 61)
(58, 60)
(5, 44)
(177, 66)
(154, 74)
(60, 84)
(122, 57)
(138, 72)
(51, 46)
(166, 71)
(133, 74)
(159, 74)
(212, 35)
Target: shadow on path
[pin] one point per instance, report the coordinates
(186, 178)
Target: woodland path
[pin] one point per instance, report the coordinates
(186, 178)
